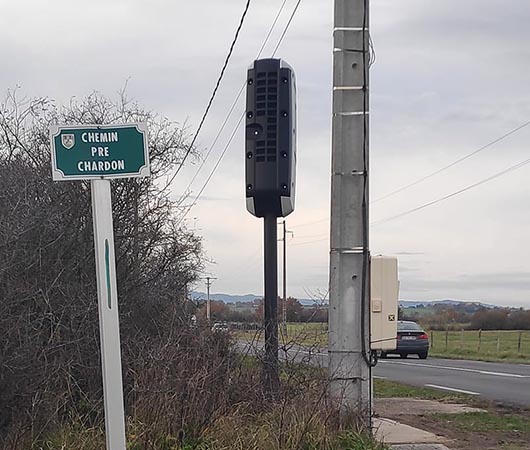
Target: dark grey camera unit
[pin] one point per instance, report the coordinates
(270, 142)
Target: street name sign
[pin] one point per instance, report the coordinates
(84, 152)
(99, 153)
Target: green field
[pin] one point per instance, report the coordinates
(508, 346)
(486, 345)
(308, 334)
(391, 389)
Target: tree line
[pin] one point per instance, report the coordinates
(469, 316)
(295, 311)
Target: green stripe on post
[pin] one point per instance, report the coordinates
(107, 273)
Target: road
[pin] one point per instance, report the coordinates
(501, 382)
(506, 383)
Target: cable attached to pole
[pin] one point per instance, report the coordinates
(368, 356)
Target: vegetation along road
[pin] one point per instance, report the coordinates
(502, 382)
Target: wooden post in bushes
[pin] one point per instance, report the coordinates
(519, 341)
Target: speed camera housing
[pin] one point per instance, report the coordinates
(270, 138)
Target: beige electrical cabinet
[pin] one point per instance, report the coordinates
(384, 302)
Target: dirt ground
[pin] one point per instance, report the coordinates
(419, 414)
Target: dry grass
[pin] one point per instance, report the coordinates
(198, 394)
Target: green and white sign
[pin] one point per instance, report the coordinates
(99, 151)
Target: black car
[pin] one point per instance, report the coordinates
(411, 339)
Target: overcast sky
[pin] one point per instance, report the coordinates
(449, 78)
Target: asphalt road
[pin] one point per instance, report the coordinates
(501, 382)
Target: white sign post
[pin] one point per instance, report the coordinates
(108, 314)
(100, 153)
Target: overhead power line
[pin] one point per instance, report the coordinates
(309, 242)
(234, 104)
(460, 191)
(418, 208)
(286, 27)
(436, 172)
(313, 222)
(188, 151)
(237, 125)
(213, 170)
(454, 163)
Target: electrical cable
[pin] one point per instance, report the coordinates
(286, 28)
(309, 242)
(236, 127)
(460, 191)
(213, 93)
(369, 356)
(213, 171)
(366, 353)
(215, 139)
(436, 172)
(305, 224)
(418, 208)
(234, 104)
(373, 56)
(310, 236)
(459, 160)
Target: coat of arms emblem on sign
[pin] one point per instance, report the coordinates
(68, 141)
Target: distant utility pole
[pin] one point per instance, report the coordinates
(208, 284)
(349, 314)
(284, 306)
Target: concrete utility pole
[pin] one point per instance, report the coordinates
(208, 284)
(349, 314)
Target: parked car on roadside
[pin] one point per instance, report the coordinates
(220, 326)
(411, 339)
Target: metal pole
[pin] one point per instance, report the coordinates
(270, 366)
(284, 267)
(284, 305)
(284, 309)
(349, 315)
(108, 314)
(208, 303)
(208, 316)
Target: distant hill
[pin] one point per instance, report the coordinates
(447, 302)
(229, 298)
(226, 298)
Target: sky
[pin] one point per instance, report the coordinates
(449, 78)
